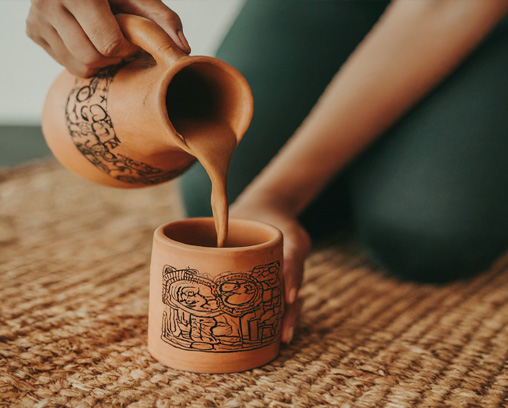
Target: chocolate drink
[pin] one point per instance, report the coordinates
(199, 105)
(212, 144)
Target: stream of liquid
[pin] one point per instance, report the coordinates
(213, 144)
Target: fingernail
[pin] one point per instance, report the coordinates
(184, 41)
(292, 295)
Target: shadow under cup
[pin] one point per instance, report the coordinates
(215, 310)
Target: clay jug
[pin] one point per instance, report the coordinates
(117, 127)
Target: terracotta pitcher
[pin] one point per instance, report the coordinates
(118, 127)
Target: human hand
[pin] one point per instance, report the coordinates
(84, 36)
(296, 247)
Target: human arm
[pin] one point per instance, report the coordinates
(413, 47)
(83, 35)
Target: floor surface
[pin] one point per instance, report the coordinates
(74, 273)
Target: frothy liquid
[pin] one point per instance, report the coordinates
(213, 145)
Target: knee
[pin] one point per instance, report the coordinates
(419, 250)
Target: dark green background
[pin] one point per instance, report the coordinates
(19, 144)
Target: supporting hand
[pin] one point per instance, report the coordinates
(83, 35)
(296, 247)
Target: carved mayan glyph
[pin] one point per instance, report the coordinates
(234, 311)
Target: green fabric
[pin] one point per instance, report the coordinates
(19, 144)
(428, 200)
(288, 50)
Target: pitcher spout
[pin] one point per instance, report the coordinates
(203, 90)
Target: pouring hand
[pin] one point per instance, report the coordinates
(296, 247)
(84, 36)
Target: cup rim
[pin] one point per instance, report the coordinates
(161, 237)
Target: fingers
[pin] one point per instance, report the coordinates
(98, 22)
(82, 36)
(79, 45)
(158, 12)
(296, 248)
(293, 273)
(59, 52)
(289, 321)
(43, 34)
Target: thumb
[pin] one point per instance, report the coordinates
(161, 14)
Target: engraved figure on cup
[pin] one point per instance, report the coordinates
(234, 311)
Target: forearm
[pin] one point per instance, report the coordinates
(413, 46)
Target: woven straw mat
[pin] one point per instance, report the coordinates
(74, 262)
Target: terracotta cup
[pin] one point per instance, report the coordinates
(118, 127)
(215, 310)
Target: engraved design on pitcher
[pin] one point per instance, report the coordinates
(92, 131)
(235, 311)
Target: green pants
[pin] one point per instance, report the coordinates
(428, 200)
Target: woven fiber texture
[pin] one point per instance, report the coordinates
(74, 301)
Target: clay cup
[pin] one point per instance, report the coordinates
(215, 310)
